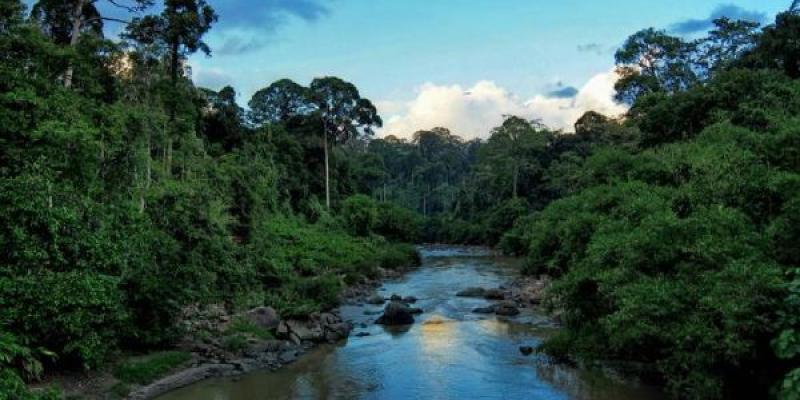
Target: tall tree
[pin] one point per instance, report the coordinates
(652, 61)
(344, 114)
(278, 102)
(513, 150)
(66, 21)
(180, 27)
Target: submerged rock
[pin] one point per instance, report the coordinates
(526, 350)
(506, 308)
(409, 300)
(494, 294)
(415, 310)
(472, 292)
(396, 313)
(376, 300)
(395, 297)
(483, 310)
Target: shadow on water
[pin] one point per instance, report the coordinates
(450, 353)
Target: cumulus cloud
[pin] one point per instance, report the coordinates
(731, 11)
(473, 111)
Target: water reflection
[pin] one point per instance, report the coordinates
(450, 353)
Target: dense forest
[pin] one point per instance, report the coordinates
(127, 193)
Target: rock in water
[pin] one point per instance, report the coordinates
(494, 294)
(506, 308)
(483, 310)
(526, 350)
(472, 292)
(415, 310)
(395, 297)
(376, 300)
(396, 313)
(409, 299)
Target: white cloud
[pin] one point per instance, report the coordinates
(212, 78)
(474, 111)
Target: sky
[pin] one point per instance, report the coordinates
(461, 64)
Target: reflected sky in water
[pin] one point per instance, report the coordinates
(450, 353)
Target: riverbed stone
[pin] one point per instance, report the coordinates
(506, 308)
(396, 313)
(494, 294)
(472, 292)
(376, 299)
(526, 350)
(483, 310)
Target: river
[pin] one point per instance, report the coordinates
(449, 353)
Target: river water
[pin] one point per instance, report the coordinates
(450, 353)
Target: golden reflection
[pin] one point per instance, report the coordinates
(439, 336)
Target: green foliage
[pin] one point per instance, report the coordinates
(247, 327)
(78, 315)
(398, 223)
(146, 369)
(360, 213)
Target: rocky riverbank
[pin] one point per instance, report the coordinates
(215, 354)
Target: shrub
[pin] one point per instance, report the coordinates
(360, 213)
(77, 315)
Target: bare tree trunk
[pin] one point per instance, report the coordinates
(77, 23)
(327, 171)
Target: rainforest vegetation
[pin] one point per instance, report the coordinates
(127, 193)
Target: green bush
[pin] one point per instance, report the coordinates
(77, 315)
(360, 213)
(398, 223)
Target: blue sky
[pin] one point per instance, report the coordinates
(395, 50)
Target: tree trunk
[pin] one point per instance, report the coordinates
(77, 23)
(327, 171)
(174, 61)
(515, 181)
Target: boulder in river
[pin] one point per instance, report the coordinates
(376, 300)
(415, 310)
(484, 310)
(395, 297)
(409, 300)
(526, 350)
(396, 313)
(494, 294)
(506, 308)
(472, 292)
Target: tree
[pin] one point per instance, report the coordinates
(651, 61)
(344, 114)
(278, 102)
(778, 47)
(513, 150)
(65, 21)
(180, 27)
(724, 45)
